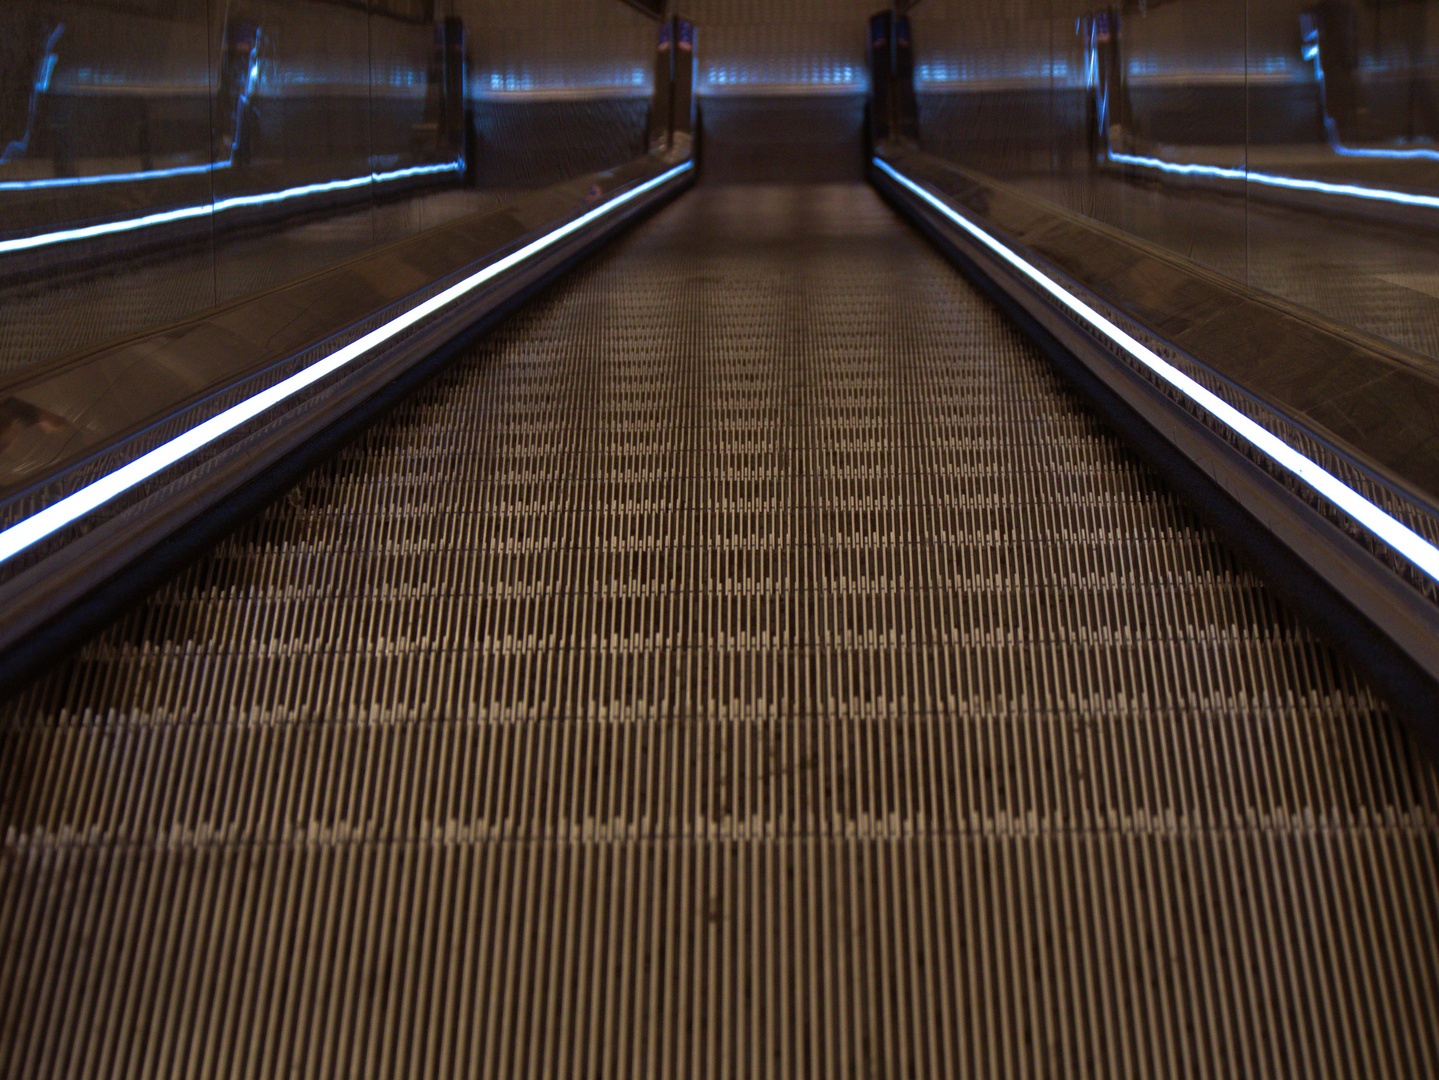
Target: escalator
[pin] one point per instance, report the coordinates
(749, 659)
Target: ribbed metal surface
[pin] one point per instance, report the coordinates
(751, 661)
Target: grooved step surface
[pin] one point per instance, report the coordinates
(751, 660)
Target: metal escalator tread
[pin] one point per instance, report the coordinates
(751, 660)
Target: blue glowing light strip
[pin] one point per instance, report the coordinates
(1323, 186)
(56, 516)
(1379, 152)
(108, 178)
(86, 232)
(1392, 532)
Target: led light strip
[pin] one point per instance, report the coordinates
(1323, 186)
(50, 182)
(1391, 531)
(1380, 152)
(56, 516)
(26, 243)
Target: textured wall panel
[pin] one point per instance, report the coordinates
(756, 44)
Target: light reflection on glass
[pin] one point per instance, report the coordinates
(1290, 145)
(233, 202)
(39, 87)
(200, 151)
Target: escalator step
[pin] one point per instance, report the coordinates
(750, 660)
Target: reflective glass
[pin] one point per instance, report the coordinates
(1290, 144)
(162, 157)
(104, 173)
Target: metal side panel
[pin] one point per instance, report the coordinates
(1358, 533)
(751, 660)
(161, 472)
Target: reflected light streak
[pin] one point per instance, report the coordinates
(56, 516)
(264, 198)
(1325, 187)
(109, 178)
(39, 86)
(1312, 52)
(1378, 152)
(1388, 529)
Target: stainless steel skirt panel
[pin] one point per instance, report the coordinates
(752, 660)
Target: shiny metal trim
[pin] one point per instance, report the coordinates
(1188, 416)
(41, 590)
(1369, 399)
(1384, 525)
(98, 492)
